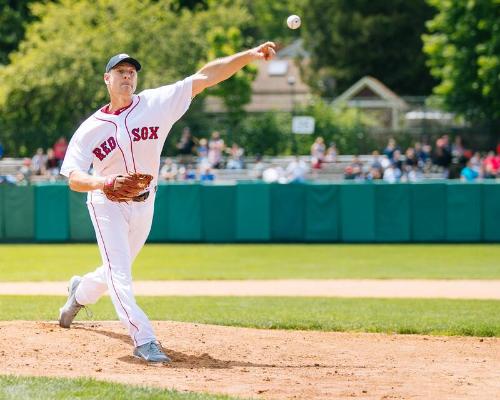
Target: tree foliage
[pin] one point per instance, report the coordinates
(55, 79)
(14, 16)
(269, 19)
(270, 133)
(349, 39)
(237, 91)
(464, 54)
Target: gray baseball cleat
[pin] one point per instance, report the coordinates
(151, 352)
(68, 312)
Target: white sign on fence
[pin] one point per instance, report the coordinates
(303, 125)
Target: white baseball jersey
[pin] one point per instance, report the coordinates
(131, 140)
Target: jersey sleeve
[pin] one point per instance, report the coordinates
(171, 101)
(76, 158)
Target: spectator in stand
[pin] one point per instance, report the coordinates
(331, 153)
(169, 170)
(374, 174)
(426, 157)
(273, 174)
(411, 160)
(469, 174)
(215, 148)
(318, 152)
(476, 162)
(354, 171)
(376, 168)
(392, 174)
(51, 164)
(442, 155)
(413, 175)
(296, 171)
(206, 174)
(375, 161)
(186, 173)
(491, 165)
(396, 160)
(258, 168)
(185, 146)
(390, 148)
(23, 176)
(235, 160)
(60, 148)
(202, 153)
(38, 162)
(419, 153)
(457, 148)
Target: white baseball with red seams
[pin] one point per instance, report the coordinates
(129, 140)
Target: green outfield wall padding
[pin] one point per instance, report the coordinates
(322, 213)
(219, 213)
(491, 212)
(159, 229)
(392, 212)
(253, 213)
(357, 217)
(19, 213)
(259, 212)
(287, 212)
(51, 213)
(80, 224)
(184, 212)
(428, 212)
(463, 214)
(2, 219)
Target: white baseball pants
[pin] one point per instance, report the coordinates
(121, 231)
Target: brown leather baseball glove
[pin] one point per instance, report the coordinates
(126, 187)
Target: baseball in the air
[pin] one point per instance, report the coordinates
(293, 21)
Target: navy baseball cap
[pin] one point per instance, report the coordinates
(119, 58)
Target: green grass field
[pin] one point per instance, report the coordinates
(422, 316)
(163, 262)
(17, 388)
(192, 261)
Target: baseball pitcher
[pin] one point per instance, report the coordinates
(122, 141)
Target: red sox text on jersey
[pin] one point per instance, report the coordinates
(109, 145)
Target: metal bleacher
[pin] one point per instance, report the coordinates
(10, 166)
(329, 172)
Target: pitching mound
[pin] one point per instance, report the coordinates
(261, 363)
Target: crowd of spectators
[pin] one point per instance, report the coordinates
(444, 160)
(44, 165)
(200, 159)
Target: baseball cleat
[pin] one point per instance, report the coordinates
(68, 312)
(151, 352)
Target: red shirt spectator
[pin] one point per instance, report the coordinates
(491, 165)
(60, 148)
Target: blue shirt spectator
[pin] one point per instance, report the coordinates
(468, 174)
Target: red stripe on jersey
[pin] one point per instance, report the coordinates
(110, 270)
(116, 139)
(128, 132)
(106, 110)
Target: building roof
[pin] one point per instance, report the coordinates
(272, 88)
(370, 92)
(294, 50)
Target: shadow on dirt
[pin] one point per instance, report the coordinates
(191, 361)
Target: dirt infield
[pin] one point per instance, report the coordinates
(395, 288)
(269, 364)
